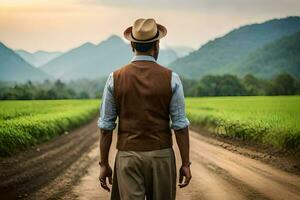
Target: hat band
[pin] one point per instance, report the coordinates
(156, 35)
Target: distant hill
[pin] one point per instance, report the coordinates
(220, 55)
(89, 60)
(166, 56)
(182, 50)
(280, 56)
(93, 61)
(38, 58)
(14, 68)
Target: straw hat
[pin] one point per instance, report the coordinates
(144, 31)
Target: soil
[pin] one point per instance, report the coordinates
(67, 168)
(287, 160)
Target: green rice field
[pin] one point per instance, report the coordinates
(269, 120)
(24, 123)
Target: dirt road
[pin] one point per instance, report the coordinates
(217, 173)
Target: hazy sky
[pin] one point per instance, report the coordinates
(63, 24)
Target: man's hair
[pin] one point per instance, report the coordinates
(143, 47)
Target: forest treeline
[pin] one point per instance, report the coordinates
(79, 89)
(249, 85)
(210, 85)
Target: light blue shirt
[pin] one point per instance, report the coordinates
(108, 112)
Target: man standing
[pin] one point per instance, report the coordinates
(144, 96)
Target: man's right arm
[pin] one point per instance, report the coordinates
(180, 124)
(106, 124)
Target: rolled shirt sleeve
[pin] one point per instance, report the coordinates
(177, 104)
(108, 112)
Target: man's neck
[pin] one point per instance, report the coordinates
(143, 54)
(143, 57)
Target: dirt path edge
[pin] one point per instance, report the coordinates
(282, 159)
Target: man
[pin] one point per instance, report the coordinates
(144, 96)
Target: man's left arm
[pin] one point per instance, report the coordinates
(106, 124)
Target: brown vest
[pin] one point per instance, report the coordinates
(142, 92)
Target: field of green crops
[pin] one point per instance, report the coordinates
(269, 120)
(24, 123)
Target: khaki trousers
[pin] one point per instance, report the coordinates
(147, 174)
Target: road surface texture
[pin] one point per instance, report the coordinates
(67, 168)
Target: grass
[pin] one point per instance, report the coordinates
(25, 123)
(269, 120)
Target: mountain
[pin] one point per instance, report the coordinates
(89, 60)
(182, 50)
(281, 56)
(166, 56)
(38, 58)
(220, 55)
(93, 61)
(15, 68)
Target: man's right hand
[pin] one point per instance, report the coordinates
(105, 172)
(184, 171)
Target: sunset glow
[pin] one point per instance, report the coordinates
(64, 24)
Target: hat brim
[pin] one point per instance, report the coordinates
(162, 32)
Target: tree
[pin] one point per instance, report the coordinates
(225, 85)
(253, 85)
(230, 85)
(282, 84)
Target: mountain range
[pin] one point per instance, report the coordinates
(264, 50)
(181, 51)
(280, 56)
(86, 61)
(92, 61)
(224, 54)
(38, 58)
(15, 68)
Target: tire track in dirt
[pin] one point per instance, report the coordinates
(238, 166)
(32, 170)
(59, 188)
(245, 191)
(200, 187)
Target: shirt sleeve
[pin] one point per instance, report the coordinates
(177, 104)
(108, 112)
